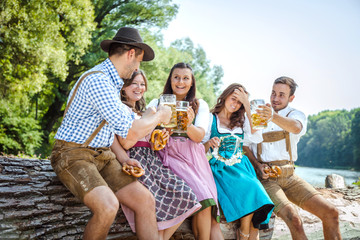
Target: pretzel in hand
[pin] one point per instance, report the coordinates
(158, 139)
(273, 171)
(131, 170)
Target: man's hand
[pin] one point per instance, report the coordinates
(266, 112)
(164, 114)
(260, 171)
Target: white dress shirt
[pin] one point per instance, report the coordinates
(273, 151)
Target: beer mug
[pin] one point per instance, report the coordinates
(181, 116)
(169, 100)
(257, 121)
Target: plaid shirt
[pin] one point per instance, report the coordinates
(97, 98)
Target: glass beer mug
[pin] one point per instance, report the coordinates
(169, 100)
(182, 117)
(257, 121)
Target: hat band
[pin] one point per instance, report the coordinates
(124, 39)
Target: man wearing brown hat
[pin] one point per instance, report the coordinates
(82, 158)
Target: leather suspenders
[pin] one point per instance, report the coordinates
(273, 137)
(97, 130)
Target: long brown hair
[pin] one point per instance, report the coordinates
(140, 106)
(237, 118)
(191, 95)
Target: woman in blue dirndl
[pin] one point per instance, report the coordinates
(240, 193)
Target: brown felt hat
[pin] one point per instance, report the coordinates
(129, 36)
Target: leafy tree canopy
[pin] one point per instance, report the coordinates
(332, 140)
(46, 45)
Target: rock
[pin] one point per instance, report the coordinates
(334, 181)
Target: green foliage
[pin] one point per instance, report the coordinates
(157, 71)
(357, 183)
(46, 45)
(18, 133)
(332, 140)
(355, 137)
(37, 40)
(109, 15)
(207, 78)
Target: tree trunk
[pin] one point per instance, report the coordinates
(35, 205)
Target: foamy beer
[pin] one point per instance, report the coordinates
(182, 117)
(257, 121)
(169, 100)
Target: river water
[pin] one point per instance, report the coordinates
(316, 176)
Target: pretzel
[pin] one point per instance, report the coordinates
(126, 169)
(135, 171)
(274, 171)
(157, 139)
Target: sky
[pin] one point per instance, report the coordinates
(315, 42)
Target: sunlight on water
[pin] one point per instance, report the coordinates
(316, 176)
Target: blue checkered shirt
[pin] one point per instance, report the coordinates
(97, 98)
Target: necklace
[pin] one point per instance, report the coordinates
(226, 142)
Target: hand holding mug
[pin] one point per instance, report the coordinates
(260, 113)
(191, 115)
(165, 113)
(266, 112)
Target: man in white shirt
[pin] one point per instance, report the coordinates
(279, 148)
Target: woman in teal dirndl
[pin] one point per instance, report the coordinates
(240, 194)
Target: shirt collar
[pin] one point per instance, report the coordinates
(114, 75)
(284, 111)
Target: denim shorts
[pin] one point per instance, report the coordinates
(288, 188)
(82, 169)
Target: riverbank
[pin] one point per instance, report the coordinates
(346, 200)
(335, 168)
(317, 176)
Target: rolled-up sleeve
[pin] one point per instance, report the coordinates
(301, 117)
